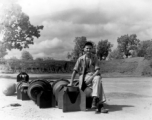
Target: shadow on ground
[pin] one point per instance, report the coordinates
(114, 108)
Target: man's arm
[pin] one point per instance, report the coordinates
(75, 70)
(97, 72)
(72, 77)
(97, 67)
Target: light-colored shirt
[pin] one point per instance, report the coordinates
(92, 64)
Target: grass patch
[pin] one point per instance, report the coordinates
(120, 66)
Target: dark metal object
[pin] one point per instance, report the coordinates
(23, 77)
(58, 86)
(74, 99)
(45, 99)
(87, 91)
(40, 91)
(23, 93)
(20, 86)
(36, 87)
(18, 89)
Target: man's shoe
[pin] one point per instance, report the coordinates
(94, 102)
(101, 109)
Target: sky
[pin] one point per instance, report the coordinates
(63, 20)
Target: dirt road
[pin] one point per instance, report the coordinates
(127, 99)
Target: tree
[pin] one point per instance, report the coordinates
(142, 48)
(78, 48)
(3, 51)
(26, 56)
(116, 54)
(15, 28)
(127, 43)
(103, 49)
(69, 56)
(13, 58)
(39, 59)
(79, 45)
(148, 54)
(48, 58)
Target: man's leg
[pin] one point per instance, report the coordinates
(96, 86)
(95, 91)
(98, 95)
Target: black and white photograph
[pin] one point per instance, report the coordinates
(75, 59)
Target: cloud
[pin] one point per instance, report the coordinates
(64, 20)
(65, 30)
(48, 44)
(103, 21)
(46, 48)
(13, 53)
(49, 48)
(81, 16)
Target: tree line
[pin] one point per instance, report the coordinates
(45, 66)
(39, 65)
(127, 45)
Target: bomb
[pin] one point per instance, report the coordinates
(9, 89)
(22, 77)
(37, 86)
(88, 92)
(40, 91)
(58, 86)
(19, 87)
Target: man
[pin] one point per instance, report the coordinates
(92, 77)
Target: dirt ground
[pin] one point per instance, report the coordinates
(127, 99)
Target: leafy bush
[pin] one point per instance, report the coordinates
(116, 54)
(147, 71)
(49, 66)
(141, 51)
(103, 49)
(148, 54)
(120, 66)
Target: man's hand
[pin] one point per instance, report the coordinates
(89, 80)
(70, 84)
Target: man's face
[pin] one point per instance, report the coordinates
(88, 49)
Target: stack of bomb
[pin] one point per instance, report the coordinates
(51, 94)
(56, 93)
(22, 86)
(39, 90)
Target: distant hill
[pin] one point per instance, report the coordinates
(136, 66)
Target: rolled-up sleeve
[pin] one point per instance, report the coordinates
(97, 67)
(77, 65)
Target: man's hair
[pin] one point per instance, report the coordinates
(88, 43)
